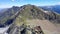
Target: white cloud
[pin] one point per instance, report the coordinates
(5, 6)
(58, 3)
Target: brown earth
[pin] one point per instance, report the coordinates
(47, 26)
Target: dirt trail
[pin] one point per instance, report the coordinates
(47, 26)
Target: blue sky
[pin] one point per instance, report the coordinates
(10, 3)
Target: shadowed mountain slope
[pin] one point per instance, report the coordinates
(23, 23)
(20, 19)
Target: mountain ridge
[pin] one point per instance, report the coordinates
(31, 8)
(25, 18)
(55, 8)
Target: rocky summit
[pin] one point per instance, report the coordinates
(30, 19)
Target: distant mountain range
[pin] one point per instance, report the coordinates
(34, 12)
(3, 10)
(55, 8)
(25, 19)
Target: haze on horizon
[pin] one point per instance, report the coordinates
(10, 3)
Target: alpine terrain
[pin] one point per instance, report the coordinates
(30, 19)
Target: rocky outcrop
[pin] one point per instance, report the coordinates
(29, 12)
(23, 29)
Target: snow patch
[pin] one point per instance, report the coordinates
(46, 11)
(4, 30)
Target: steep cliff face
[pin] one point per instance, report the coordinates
(6, 15)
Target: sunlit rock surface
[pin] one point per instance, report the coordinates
(29, 19)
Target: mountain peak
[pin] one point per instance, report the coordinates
(27, 18)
